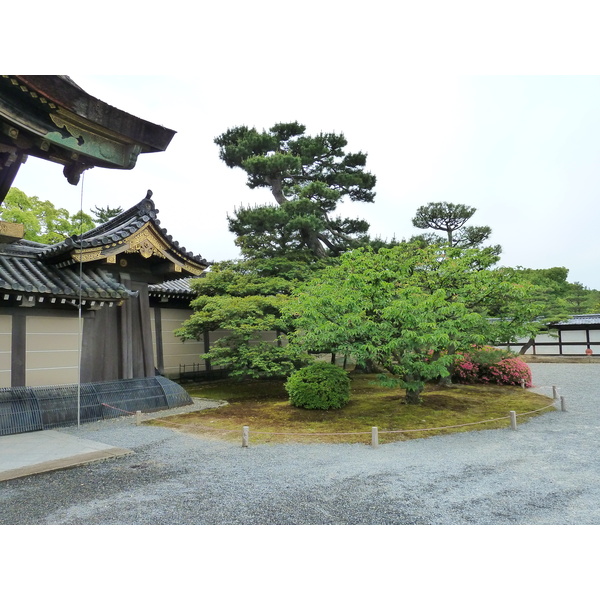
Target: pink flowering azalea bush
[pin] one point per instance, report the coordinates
(491, 365)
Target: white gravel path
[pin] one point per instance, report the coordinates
(546, 472)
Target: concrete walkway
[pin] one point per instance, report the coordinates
(25, 454)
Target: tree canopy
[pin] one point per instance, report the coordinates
(451, 218)
(562, 298)
(103, 215)
(318, 280)
(43, 222)
(411, 309)
(308, 177)
(245, 298)
(281, 244)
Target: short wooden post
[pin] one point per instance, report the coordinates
(245, 436)
(138, 417)
(374, 437)
(563, 404)
(523, 383)
(513, 420)
(554, 392)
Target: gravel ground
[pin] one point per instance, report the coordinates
(546, 472)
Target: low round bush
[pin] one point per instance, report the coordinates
(319, 386)
(491, 365)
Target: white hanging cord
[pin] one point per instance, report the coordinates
(79, 317)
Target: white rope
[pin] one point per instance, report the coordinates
(324, 434)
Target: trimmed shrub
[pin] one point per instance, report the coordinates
(320, 386)
(491, 365)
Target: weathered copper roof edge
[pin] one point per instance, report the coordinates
(64, 92)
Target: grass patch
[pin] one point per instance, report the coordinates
(265, 408)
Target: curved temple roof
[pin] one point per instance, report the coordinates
(23, 276)
(28, 267)
(134, 230)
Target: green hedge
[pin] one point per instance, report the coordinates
(320, 386)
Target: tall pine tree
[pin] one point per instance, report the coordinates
(308, 176)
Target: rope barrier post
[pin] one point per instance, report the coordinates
(374, 437)
(563, 404)
(245, 436)
(554, 392)
(513, 420)
(138, 417)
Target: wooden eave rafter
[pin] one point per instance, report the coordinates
(51, 118)
(30, 300)
(59, 135)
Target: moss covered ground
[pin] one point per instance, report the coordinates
(263, 406)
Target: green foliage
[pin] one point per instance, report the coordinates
(451, 218)
(43, 222)
(411, 309)
(281, 244)
(245, 298)
(320, 386)
(103, 215)
(443, 216)
(308, 177)
(290, 230)
(562, 298)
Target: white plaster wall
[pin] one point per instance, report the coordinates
(52, 353)
(5, 349)
(573, 336)
(175, 351)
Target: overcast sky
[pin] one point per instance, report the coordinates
(457, 104)
(523, 150)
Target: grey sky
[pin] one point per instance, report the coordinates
(523, 150)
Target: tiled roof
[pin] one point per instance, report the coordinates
(593, 319)
(62, 91)
(115, 231)
(41, 269)
(179, 288)
(30, 275)
(23, 248)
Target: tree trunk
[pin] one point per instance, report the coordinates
(277, 191)
(414, 387)
(443, 381)
(527, 346)
(311, 238)
(413, 396)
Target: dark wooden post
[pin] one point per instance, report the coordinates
(18, 366)
(160, 353)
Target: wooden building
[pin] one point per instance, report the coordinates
(101, 306)
(109, 271)
(576, 336)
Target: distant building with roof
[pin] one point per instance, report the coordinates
(576, 336)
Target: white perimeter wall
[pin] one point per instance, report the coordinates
(52, 352)
(175, 351)
(5, 349)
